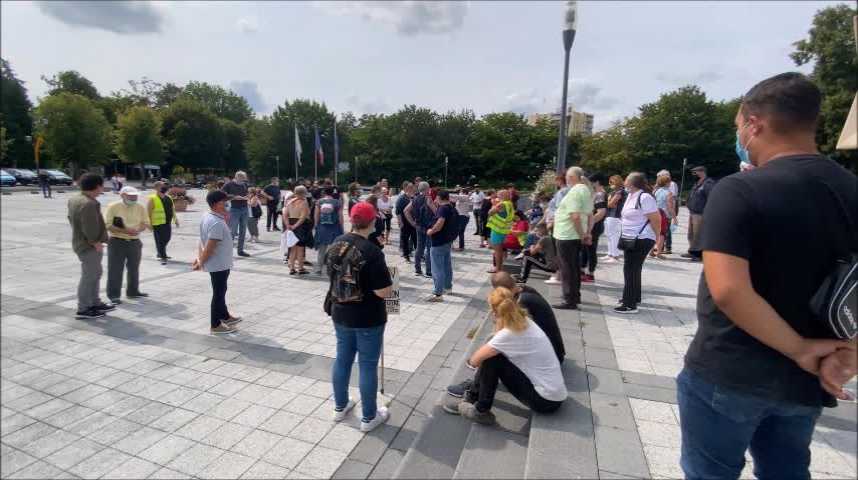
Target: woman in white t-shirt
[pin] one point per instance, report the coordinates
(642, 223)
(520, 356)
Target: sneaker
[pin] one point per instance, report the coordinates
(406, 259)
(381, 416)
(137, 295)
(469, 411)
(243, 254)
(163, 261)
(115, 301)
(687, 255)
(519, 279)
(418, 274)
(553, 281)
(340, 415)
(587, 278)
(90, 313)
(519, 256)
(565, 306)
(625, 310)
(428, 275)
(459, 390)
(103, 307)
(696, 259)
(232, 322)
(435, 298)
(221, 329)
(667, 251)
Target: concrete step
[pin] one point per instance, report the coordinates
(492, 452)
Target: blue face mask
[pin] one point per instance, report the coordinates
(741, 151)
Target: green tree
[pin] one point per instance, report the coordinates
(193, 135)
(138, 138)
(168, 94)
(70, 81)
(831, 47)
(305, 114)
(15, 108)
(75, 131)
(506, 149)
(222, 102)
(234, 156)
(608, 151)
(260, 148)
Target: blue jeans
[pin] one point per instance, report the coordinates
(718, 425)
(238, 225)
(442, 268)
(367, 342)
(424, 243)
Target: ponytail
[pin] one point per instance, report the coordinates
(506, 310)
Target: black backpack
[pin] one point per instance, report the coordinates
(344, 262)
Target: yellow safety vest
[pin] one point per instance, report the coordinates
(500, 224)
(159, 216)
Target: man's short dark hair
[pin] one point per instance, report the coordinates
(598, 178)
(790, 100)
(90, 181)
(215, 196)
(444, 195)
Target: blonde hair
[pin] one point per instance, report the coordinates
(508, 313)
(662, 181)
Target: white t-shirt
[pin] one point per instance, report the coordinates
(531, 351)
(634, 218)
(477, 199)
(384, 205)
(674, 189)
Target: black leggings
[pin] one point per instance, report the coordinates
(162, 234)
(632, 268)
(387, 222)
(271, 216)
(589, 258)
(539, 262)
(218, 308)
(499, 368)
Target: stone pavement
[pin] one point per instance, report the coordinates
(146, 392)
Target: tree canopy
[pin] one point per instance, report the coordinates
(15, 109)
(75, 131)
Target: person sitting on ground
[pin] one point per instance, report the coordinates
(520, 356)
(542, 255)
(517, 236)
(537, 308)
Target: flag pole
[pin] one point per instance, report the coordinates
(296, 152)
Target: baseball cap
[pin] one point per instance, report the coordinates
(698, 168)
(129, 190)
(362, 212)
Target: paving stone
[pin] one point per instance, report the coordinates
(91, 424)
(351, 469)
(226, 436)
(149, 413)
(257, 443)
(16, 421)
(620, 451)
(280, 423)
(230, 465)
(288, 452)
(166, 449)
(139, 440)
(303, 404)
(74, 453)
(277, 399)
(28, 434)
(12, 460)
(321, 462)
(174, 420)
(167, 473)
(200, 427)
(254, 415)
(229, 387)
(40, 470)
(44, 446)
(612, 411)
(99, 464)
(342, 438)
(84, 393)
(28, 401)
(195, 459)
(387, 465)
(114, 431)
(204, 402)
(134, 468)
(265, 470)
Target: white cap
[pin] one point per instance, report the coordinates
(129, 191)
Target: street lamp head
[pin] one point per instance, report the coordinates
(571, 15)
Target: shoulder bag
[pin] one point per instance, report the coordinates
(629, 243)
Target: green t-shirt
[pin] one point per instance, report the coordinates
(579, 200)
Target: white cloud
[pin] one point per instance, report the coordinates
(250, 91)
(406, 17)
(248, 24)
(360, 105)
(116, 17)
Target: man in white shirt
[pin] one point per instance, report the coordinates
(477, 198)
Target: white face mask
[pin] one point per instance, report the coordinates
(129, 201)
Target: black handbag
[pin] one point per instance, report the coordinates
(835, 303)
(626, 244)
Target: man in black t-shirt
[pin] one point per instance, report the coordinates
(359, 325)
(272, 202)
(442, 234)
(407, 232)
(696, 205)
(761, 367)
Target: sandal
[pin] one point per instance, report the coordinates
(293, 272)
(303, 272)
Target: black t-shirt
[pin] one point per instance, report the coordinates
(600, 200)
(785, 220)
(375, 236)
(371, 311)
(401, 202)
(168, 208)
(617, 210)
(450, 229)
(238, 189)
(543, 315)
(274, 192)
(700, 195)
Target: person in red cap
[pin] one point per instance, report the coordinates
(360, 281)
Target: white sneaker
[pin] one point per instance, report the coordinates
(448, 291)
(553, 281)
(381, 416)
(339, 416)
(519, 256)
(435, 298)
(608, 259)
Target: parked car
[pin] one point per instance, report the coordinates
(56, 177)
(23, 176)
(6, 179)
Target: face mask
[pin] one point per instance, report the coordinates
(742, 151)
(164, 189)
(129, 202)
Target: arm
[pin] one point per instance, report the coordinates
(409, 216)
(316, 215)
(90, 225)
(203, 253)
(839, 368)
(384, 292)
(614, 200)
(482, 354)
(729, 282)
(655, 222)
(600, 214)
(150, 207)
(439, 224)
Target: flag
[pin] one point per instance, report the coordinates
(320, 154)
(297, 146)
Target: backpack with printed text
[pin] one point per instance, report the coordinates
(344, 262)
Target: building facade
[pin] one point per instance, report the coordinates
(579, 123)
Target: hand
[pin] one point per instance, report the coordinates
(811, 352)
(587, 240)
(837, 369)
(196, 264)
(99, 247)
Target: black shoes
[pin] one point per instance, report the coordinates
(115, 301)
(243, 254)
(625, 310)
(104, 307)
(565, 306)
(459, 390)
(135, 295)
(91, 313)
(519, 279)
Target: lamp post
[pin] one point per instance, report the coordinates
(571, 25)
(277, 160)
(446, 162)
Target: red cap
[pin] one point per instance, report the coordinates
(363, 212)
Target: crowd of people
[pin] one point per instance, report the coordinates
(753, 299)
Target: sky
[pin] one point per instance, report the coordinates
(375, 57)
